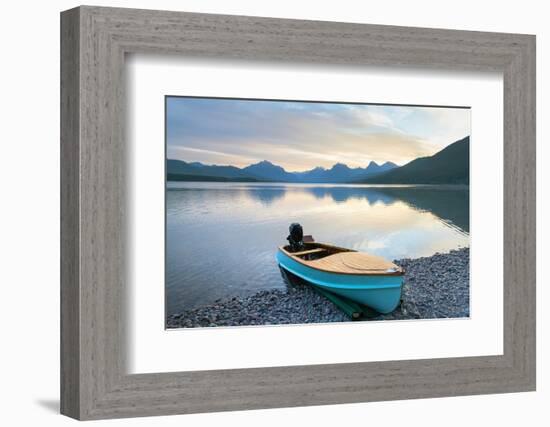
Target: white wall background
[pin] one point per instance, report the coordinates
(29, 224)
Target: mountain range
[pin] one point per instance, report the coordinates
(265, 171)
(337, 173)
(449, 166)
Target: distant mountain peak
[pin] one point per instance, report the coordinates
(264, 164)
(339, 166)
(268, 171)
(372, 167)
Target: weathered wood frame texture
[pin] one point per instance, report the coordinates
(94, 41)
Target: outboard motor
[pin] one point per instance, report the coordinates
(296, 237)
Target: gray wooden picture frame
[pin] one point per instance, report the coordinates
(94, 41)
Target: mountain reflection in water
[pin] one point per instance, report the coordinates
(451, 205)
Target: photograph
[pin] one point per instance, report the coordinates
(297, 212)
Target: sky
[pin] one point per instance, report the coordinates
(303, 135)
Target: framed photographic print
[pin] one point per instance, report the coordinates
(232, 214)
(262, 213)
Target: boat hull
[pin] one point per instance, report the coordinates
(379, 292)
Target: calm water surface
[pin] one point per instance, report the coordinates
(221, 238)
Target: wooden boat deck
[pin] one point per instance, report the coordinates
(354, 263)
(344, 261)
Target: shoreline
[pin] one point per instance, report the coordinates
(434, 186)
(434, 287)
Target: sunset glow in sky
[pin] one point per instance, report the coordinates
(302, 135)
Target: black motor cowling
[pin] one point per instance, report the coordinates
(296, 237)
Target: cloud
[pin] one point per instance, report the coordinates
(300, 135)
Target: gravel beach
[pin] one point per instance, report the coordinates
(434, 287)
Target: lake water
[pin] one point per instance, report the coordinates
(221, 238)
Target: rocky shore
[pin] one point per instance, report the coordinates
(434, 287)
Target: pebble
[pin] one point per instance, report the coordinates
(434, 287)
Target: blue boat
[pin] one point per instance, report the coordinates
(361, 277)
